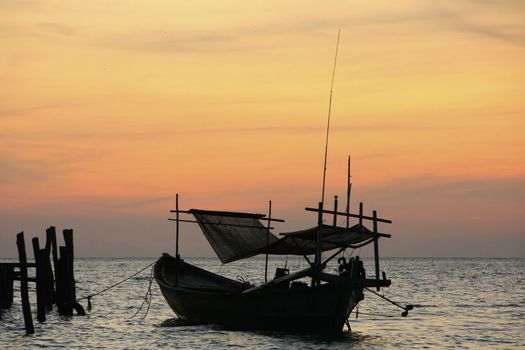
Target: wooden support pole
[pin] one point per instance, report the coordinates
(63, 284)
(6, 286)
(47, 281)
(348, 193)
(3, 280)
(319, 246)
(177, 256)
(177, 226)
(319, 235)
(65, 279)
(360, 215)
(376, 247)
(335, 210)
(24, 293)
(52, 239)
(267, 241)
(50, 280)
(10, 290)
(68, 240)
(40, 282)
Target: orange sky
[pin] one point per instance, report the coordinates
(107, 109)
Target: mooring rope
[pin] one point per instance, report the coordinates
(147, 298)
(88, 297)
(406, 308)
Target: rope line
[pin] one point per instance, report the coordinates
(116, 284)
(147, 298)
(406, 308)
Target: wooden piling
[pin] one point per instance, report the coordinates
(65, 279)
(68, 240)
(40, 282)
(28, 320)
(50, 280)
(52, 239)
(63, 290)
(6, 286)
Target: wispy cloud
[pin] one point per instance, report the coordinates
(460, 21)
(57, 28)
(24, 110)
(169, 41)
(429, 186)
(24, 168)
(168, 130)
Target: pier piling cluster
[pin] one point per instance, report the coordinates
(55, 282)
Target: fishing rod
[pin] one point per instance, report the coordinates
(319, 250)
(329, 114)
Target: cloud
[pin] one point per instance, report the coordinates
(57, 28)
(460, 21)
(458, 17)
(24, 110)
(23, 167)
(156, 132)
(169, 41)
(510, 188)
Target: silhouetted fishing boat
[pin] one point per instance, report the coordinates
(287, 302)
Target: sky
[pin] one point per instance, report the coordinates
(108, 109)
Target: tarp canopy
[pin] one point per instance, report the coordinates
(235, 236)
(304, 242)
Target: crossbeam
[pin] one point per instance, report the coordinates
(228, 214)
(222, 224)
(342, 213)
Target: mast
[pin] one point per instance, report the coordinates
(177, 256)
(348, 193)
(318, 254)
(177, 226)
(267, 241)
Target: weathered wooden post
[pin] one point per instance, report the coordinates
(2, 289)
(2, 292)
(65, 279)
(40, 282)
(68, 240)
(63, 284)
(50, 280)
(6, 286)
(28, 320)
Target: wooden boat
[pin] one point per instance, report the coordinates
(285, 303)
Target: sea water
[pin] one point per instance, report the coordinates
(459, 303)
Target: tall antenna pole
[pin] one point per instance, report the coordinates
(329, 112)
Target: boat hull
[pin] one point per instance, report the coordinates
(321, 309)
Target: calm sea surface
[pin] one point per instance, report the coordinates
(460, 304)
